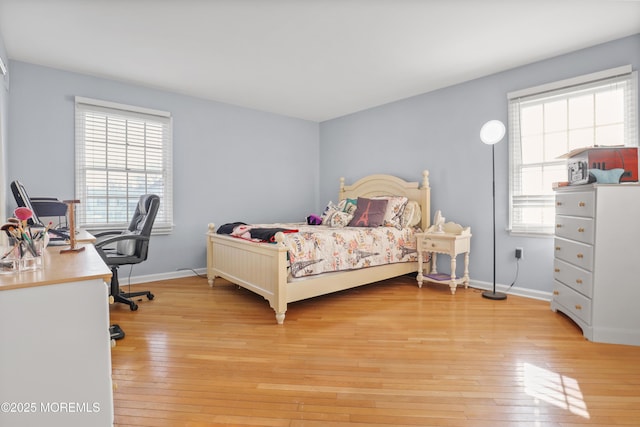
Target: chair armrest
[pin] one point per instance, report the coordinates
(118, 238)
(103, 235)
(107, 233)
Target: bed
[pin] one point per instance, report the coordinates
(264, 268)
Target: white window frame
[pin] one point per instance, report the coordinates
(519, 201)
(105, 151)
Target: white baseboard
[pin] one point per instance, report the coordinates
(123, 276)
(523, 292)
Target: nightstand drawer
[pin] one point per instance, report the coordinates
(577, 204)
(575, 228)
(436, 245)
(577, 278)
(576, 253)
(577, 304)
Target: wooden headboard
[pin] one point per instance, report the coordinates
(389, 185)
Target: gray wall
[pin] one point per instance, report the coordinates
(233, 163)
(439, 131)
(230, 163)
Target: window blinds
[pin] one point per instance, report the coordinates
(547, 121)
(122, 152)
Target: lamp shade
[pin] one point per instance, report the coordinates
(492, 132)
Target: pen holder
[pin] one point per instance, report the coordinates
(32, 255)
(10, 262)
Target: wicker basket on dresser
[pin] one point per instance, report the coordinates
(597, 260)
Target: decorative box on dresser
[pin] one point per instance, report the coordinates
(597, 260)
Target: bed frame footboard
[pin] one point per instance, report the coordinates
(260, 268)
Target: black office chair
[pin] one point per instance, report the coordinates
(131, 246)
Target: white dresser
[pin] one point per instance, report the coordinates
(597, 260)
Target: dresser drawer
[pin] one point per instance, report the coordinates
(581, 203)
(577, 304)
(574, 277)
(575, 228)
(576, 253)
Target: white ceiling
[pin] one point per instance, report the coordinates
(312, 59)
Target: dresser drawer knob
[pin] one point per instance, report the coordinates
(557, 248)
(579, 281)
(580, 230)
(558, 203)
(578, 307)
(580, 256)
(558, 225)
(557, 270)
(433, 245)
(582, 204)
(556, 293)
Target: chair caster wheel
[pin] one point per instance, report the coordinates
(133, 307)
(150, 296)
(116, 333)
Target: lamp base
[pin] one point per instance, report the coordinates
(494, 295)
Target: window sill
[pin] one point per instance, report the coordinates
(530, 234)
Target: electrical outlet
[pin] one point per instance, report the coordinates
(519, 253)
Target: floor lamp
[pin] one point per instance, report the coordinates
(491, 133)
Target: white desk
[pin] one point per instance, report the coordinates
(55, 361)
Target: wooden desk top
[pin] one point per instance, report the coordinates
(83, 236)
(60, 268)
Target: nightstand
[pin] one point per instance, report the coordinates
(452, 240)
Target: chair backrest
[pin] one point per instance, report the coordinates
(142, 222)
(22, 199)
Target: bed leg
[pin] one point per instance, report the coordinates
(211, 280)
(280, 318)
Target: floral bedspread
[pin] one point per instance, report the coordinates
(316, 249)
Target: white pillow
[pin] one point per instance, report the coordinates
(412, 214)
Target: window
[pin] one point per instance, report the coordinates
(122, 152)
(548, 121)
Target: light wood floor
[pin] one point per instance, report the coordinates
(385, 354)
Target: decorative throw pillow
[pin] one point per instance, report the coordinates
(611, 176)
(337, 219)
(126, 247)
(370, 213)
(329, 209)
(350, 206)
(395, 208)
(412, 214)
(347, 205)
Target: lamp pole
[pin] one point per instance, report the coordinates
(491, 133)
